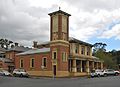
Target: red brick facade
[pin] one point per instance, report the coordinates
(58, 62)
(37, 61)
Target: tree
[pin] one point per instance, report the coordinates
(100, 52)
(107, 58)
(5, 43)
(99, 46)
(116, 56)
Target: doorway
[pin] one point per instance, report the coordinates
(54, 70)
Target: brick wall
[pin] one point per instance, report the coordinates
(37, 61)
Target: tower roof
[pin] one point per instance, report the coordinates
(59, 11)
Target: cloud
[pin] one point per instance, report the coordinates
(93, 24)
(90, 5)
(114, 32)
(24, 21)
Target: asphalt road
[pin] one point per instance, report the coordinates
(111, 81)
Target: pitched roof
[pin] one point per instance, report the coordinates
(6, 60)
(19, 49)
(97, 59)
(1, 52)
(35, 51)
(59, 11)
(2, 49)
(43, 43)
(71, 39)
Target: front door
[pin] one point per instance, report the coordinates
(54, 70)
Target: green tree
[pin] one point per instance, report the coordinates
(107, 58)
(5, 43)
(99, 46)
(100, 52)
(116, 56)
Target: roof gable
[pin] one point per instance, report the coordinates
(59, 11)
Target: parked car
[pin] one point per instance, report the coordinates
(5, 73)
(20, 73)
(110, 72)
(97, 73)
(1, 73)
(117, 72)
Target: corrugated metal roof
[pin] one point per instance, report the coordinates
(19, 48)
(2, 49)
(34, 51)
(5, 59)
(2, 52)
(97, 59)
(42, 43)
(71, 39)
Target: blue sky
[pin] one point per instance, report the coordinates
(111, 43)
(25, 21)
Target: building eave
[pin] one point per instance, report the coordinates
(74, 40)
(59, 11)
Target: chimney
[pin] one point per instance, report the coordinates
(35, 44)
(16, 44)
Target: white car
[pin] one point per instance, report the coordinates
(110, 72)
(97, 73)
(117, 72)
(5, 73)
(20, 73)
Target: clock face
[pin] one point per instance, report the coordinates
(55, 23)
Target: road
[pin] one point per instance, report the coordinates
(111, 81)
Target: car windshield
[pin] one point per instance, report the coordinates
(4, 71)
(20, 70)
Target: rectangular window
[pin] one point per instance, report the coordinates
(76, 48)
(64, 56)
(21, 63)
(32, 62)
(82, 50)
(54, 55)
(44, 62)
(88, 50)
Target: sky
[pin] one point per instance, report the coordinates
(93, 21)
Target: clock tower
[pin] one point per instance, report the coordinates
(59, 42)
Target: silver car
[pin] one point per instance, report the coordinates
(5, 73)
(20, 73)
(97, 73)
(110, 72)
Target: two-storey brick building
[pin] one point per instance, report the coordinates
(61, 56)
(7, 57)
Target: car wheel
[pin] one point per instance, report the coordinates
(21, 75)
(4, 74)
(105, 74)
(92, 76)
(15, 74)
(98, 75)
(116, 74)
